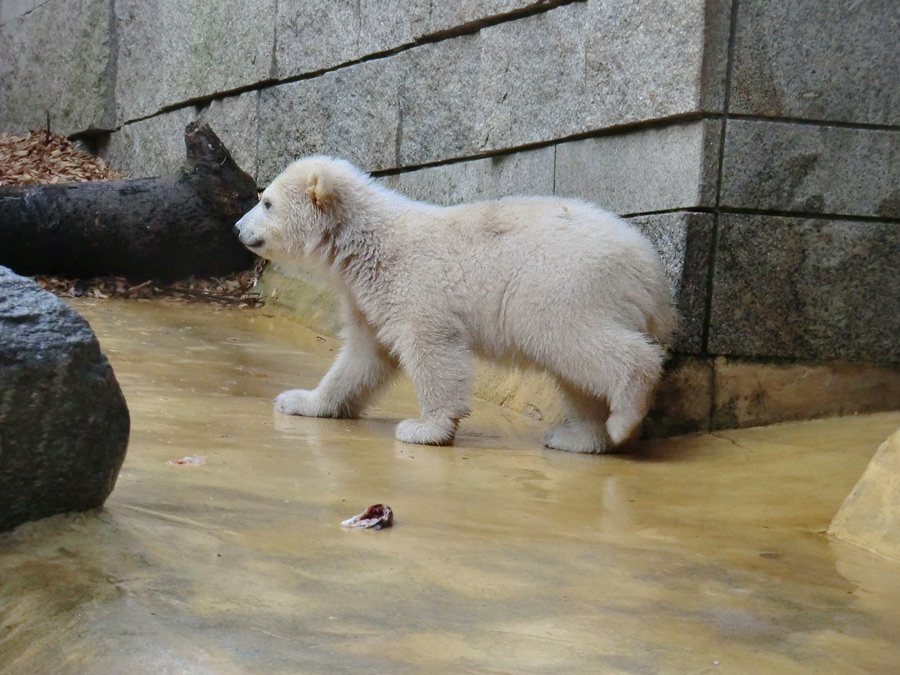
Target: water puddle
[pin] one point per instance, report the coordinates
(692, 555)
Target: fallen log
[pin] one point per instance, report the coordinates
(166, 228)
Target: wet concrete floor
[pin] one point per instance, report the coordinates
(701, 554)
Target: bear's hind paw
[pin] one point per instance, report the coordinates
(578, 437)
(425, 431)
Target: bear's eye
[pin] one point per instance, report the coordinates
(267, 204)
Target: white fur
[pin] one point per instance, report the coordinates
(532, 281)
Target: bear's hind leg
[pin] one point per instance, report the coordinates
(584, 427)
(629, 404)
(621, 367)
(631, 394)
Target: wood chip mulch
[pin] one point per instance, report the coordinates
(42, 156)
(234, 290)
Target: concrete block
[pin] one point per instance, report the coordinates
(315, 36)
(811, 168)
(56, 63)
(684, 242)
(525, 98)
(753, 393)
(654, 169)
(234, 120)
(835, 61)
(870, 516)
(440, 102)
(646, 61)
(152, 147)
(806, 289)
(521, 173)
(353, 113)
(386, 24)
(172, 52)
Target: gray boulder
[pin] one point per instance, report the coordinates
(63, 420)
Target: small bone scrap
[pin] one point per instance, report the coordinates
(374, 517)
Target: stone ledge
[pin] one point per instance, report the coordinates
(352, 113)
(454, 98)
(234, 121)
(191, 56)
(155, 146)
(428, 18)
(753, 393)
(647, 61)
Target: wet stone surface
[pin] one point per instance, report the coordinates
(704, 553)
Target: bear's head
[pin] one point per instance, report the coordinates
(299, 211)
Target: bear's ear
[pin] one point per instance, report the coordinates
(320, 187)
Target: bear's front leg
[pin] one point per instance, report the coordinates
(362, 367)
(441, 371)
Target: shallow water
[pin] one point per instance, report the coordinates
(702, 554)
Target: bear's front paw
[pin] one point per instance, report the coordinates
(427, 431)
(299, 402)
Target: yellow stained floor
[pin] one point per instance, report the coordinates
(701, 554)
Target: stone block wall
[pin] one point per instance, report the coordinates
(757, 142)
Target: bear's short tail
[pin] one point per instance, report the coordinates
(662, 323)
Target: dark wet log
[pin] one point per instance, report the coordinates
(168, 227)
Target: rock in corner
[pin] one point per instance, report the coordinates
(64, 422)
(870, 516)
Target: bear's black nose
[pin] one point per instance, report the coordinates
(237, 230)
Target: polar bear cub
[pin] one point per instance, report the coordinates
(532, 281)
